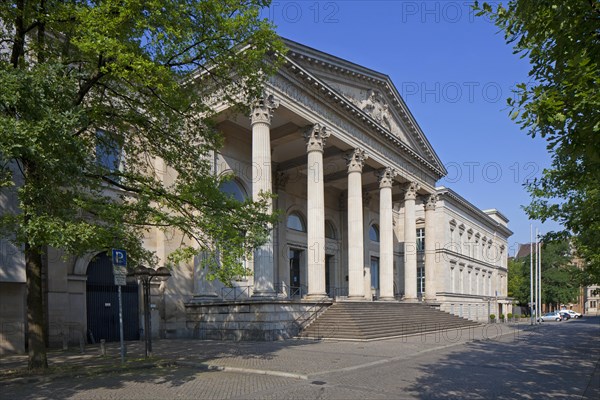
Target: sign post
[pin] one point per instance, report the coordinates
(119, 261)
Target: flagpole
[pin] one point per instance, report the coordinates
(535, 281)
(531, 308)
(539, 260)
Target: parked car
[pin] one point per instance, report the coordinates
(564, 315)
(551, 316)
(573, 314)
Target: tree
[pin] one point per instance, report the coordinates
(560, 279)
(518, 281)
(94, 94)
(561, 104)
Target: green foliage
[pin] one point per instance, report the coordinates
(509, 316)
(492, 316)
(561, 104)
(128, 69)
(560, 279)
(96, 98)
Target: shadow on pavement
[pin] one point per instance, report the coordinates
(553, 361)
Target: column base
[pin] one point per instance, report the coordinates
(411, 300)
(356, 298)
(317, 297)
(386, 299)
(264, 295)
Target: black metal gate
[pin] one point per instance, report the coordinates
(103, 304)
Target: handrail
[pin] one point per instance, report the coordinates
(313, 311)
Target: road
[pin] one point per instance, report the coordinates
(557, 360)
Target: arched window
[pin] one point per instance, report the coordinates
(233, 189)
(329, 230)
(296, 222)
(374, 233)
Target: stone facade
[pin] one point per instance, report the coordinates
(362, 218)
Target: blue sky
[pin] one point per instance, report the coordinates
(455, 71)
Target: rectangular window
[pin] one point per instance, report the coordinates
(420, 239)
(108, 152)
(593, 304)
(420, 280)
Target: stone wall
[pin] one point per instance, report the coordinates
(249, 320)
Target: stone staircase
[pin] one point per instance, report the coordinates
(379, 320)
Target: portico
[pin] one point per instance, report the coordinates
(326, 165)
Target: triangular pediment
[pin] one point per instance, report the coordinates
(371, 92)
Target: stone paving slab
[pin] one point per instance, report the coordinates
(296, 357)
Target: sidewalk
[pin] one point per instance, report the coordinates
(298, 359)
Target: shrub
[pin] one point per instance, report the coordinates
(501, 317)
(509, 316)
(492, 317)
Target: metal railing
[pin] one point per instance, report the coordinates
(306, 317)
(236, 292)
(289, 292)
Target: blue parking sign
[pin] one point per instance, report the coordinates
(119, 257)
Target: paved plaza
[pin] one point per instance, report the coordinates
(498, 361)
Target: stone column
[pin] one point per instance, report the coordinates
(262, 112)
(430, 292)
(410, 242)
(316, 136)
(386, 235)
(356, 286)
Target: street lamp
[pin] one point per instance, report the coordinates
(145, 275)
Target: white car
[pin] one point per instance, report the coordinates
(572, 313)
(551, 316)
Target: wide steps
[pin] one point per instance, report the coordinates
(374, 320)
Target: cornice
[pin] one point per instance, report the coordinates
(349, 108)
(340, 66)
(443, 191)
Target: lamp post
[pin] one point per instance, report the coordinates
(145, 275)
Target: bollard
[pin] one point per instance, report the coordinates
(65, 342)
(81, 344)
(103, 347)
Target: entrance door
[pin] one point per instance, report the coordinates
(103, 304)
(328, 287)
(375, 275)
(295, 284)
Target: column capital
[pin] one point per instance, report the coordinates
(411, 191)
(386, 177)
(355, 160)
(263, 108)
(315, 136)
(431, 201)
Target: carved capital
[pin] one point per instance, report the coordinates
(355, 160)
(316, 135)
(386, 177)
(431, 201)
(411, 191)
(263, 108)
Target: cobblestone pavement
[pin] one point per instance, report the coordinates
(496, 361)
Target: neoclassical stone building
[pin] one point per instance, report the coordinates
(362, 218)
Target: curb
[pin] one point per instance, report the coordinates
(75, 374)
(211, 367)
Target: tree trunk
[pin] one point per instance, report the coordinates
(35, 309)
